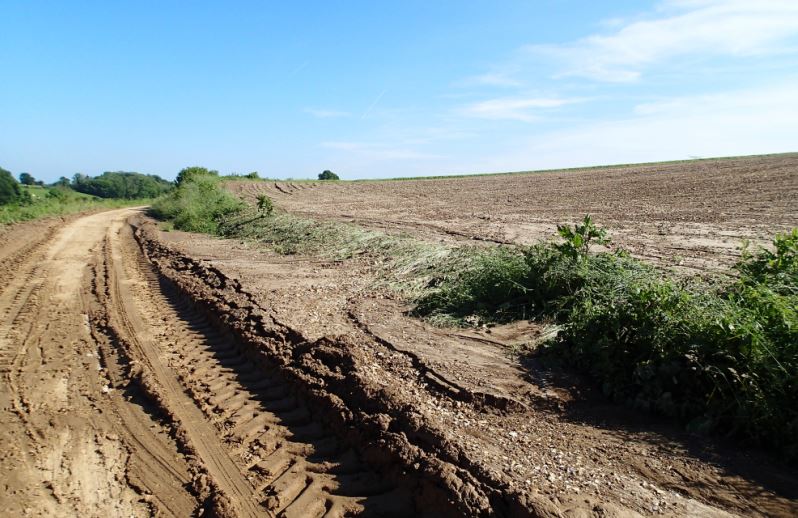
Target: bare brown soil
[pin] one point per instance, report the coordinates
(514, 438)
(149, 373)
(134, 392)
(690, 215)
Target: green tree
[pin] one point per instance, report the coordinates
(26, 179)
(63, 182)
(328, 175)
(10, 191)
(122, 184)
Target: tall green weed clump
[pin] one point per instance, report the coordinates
(197, 204)
(721, 356)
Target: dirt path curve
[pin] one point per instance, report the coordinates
(78, 437)
(71, 445)
(119, 398)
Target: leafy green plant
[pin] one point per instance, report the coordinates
(778, 268)
(579, 238)
(265, 205)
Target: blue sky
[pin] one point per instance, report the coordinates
(372, 89)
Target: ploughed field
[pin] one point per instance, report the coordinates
(692, 215)
(153, 372)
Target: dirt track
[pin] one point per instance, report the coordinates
(119, 399)
(166, 374)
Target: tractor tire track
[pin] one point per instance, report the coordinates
(269, 454)
(71, 445)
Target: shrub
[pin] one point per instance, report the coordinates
(489, 287)
(719, 356)
(265, 205)
(188, 173)
(328, 175)
(10, 191)
(198, 204)
(60, 193)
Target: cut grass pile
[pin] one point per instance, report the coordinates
(44, 202)
(720, 355)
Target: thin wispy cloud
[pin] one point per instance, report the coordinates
(372, 105)
(736, 122)
(379, 151)
(679, 28)
(501, 79)
(514, 108)
(326, 114)
(297, 69)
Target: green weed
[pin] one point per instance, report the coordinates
(198, 203)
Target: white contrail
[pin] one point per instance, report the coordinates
(365, 113)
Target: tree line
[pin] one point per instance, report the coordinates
(110, 184)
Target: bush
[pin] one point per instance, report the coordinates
(198, 204)
(265, 205)
(10, 192)
(60, 193)
(487, 288)
(328, 175)
(188, 173)
(719, 356)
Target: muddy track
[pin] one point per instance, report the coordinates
(327, 373)
(126, 393)
(71, 445)
(268, 453)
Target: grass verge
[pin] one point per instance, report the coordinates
(58, 202)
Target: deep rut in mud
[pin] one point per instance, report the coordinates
(292, 464)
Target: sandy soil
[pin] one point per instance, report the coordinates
(691, 216)
(71, 444)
